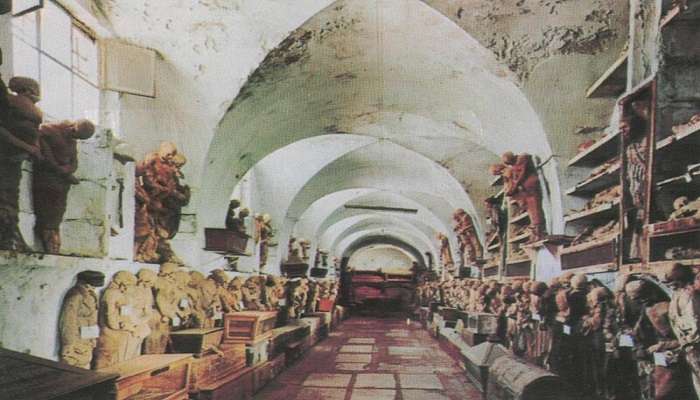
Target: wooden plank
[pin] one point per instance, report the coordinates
(602, 150)
(613, 81)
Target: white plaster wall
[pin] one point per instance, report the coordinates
(31, 294)
(389, 259)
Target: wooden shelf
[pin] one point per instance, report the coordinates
(682, 179)
(602, 150)
(667, 264)
(497, 181)
(670, 16)
(592, 269)
(675, 227)
(599, 212)
(519, 238)
(518, 260)
(494, 247)
(613, 81)
(522, 217)
(595, 184)
(492, 238)
(587, 245)
(689, 137)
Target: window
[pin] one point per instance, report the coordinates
(52, 48)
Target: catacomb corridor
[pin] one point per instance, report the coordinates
(349, 199)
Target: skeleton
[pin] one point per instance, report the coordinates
(683, 208)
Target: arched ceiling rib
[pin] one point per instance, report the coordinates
(363, 67)
(397, 237)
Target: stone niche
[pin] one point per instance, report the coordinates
(103, 199)
(31, 292)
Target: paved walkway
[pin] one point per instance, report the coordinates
(373, 359)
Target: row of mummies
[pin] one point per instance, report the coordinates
(630, 343)
(136, 313)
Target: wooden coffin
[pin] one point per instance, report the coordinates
(236, 387)
(197, 341)
(472, 338)
(283, 336)
(225, 241)
(157, 376)
(25, 377)
(211, 368)
(294, 270)
(248, 326)
(513, 379)
(482, 323)
(478, 360)
(257, 353)
(266, 372)
(449, 316)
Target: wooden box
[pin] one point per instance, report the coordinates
(283, 336)
(477, 361)
(603, 253)
(225, 241)
(197, 340)
(161, 376)
(512, 379)
(217, 367)
(237, 387)
(294, 270)
(248, 326)
(473, 339)
(25, 377)
(257, 353)
(482, 323)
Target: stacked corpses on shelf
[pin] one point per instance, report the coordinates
(640, 339)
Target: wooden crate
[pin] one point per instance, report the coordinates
(248, 326)
(217, 367)
(236, 387)
(34, 378)
(196, 340)
(162, 376)
(225, 241)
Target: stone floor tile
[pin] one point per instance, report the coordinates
(381, 381)
(312, 393)
(373, 394)
(357, 358)
(407, 351)
(420, 381)
(351, 366)
(328, 380)
(357, 340)
(413, 394)
(352, 348)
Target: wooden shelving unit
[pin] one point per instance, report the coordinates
(613, 81)
(516, 262)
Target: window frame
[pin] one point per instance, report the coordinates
(43, 55)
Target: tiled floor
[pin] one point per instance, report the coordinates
(371, 359)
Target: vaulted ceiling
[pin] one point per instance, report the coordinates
(387, 103)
